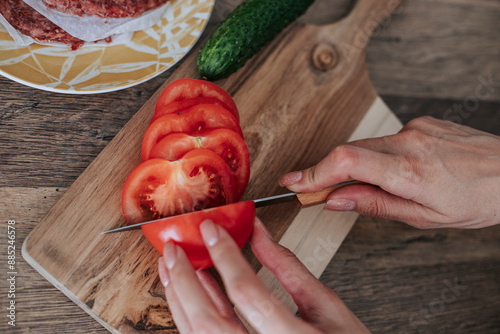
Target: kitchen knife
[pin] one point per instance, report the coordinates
(301, 200)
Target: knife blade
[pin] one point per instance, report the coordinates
(301, 200)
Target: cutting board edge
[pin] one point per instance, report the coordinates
(381, 121)
(377, 103)
(45, 274)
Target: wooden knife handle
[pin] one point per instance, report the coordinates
(304, 200)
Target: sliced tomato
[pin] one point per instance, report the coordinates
(185, 89)
(178, 106)
(226, 143)
(184, 230)
(159, 188)
(197, 118)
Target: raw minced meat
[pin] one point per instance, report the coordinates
(31, 23)
(104, 8)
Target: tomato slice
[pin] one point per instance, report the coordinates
(226, 143)
(184, 230)
(197, 118)
(184, 89)
(159, 188)
(177, 106)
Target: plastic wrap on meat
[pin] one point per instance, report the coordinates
(33, 24)
(105, 8)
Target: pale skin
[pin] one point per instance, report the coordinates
(432, 174)
(198, 304)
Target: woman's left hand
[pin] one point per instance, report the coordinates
(198, 304)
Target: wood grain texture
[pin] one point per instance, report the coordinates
(41, 305)
(113, 277)
(465, 43)
(393, 276)
(439, 48)
(486, 117)
(315, 235)
(81, 126)
(47, 140)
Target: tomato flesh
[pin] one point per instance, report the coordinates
(185, 89)
(184, 230)
(195, 164)
(178, 106)
(159, 188)
(226, 143)
(197, 118)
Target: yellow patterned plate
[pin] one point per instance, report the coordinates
(99, 69)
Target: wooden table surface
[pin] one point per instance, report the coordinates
(431, 59)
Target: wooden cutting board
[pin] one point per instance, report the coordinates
(303, 94)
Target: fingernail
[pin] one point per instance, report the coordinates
(162, 270)
(290, 178)
(340, 205)
(209, 232)
(263, 228)
(169, 254)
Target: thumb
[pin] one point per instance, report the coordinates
(373, 201)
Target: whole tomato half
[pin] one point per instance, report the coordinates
(226, 143)
(160, 188)
(197, 118)
(181, 90)
(184, 230)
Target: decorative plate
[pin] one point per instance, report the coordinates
(98, 69)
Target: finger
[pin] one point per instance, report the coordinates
(394, 174)
(257, 304)
(336, 167)
(380, 144)
(429, 125)
(438, 128)
(180, 318)
(375, 202)
(288, 270)
(196, 305)
(214, 291)
(317, 304)
(390, 143)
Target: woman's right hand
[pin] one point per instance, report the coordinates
(432, 174)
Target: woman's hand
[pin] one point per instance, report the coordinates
(431, 174)
(198, 304)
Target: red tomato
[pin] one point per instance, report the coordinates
(184, 230)
(184, 89)
(177, 106)
(226, 143)
(197, 118)
(159, 188)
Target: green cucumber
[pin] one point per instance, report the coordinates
(244, 32)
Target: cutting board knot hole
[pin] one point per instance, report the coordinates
(324, 57)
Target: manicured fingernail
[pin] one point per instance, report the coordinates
(162, 270)
(169, 254)
(340, 205)
(290, 178)
(263, 228)
(209, 232)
